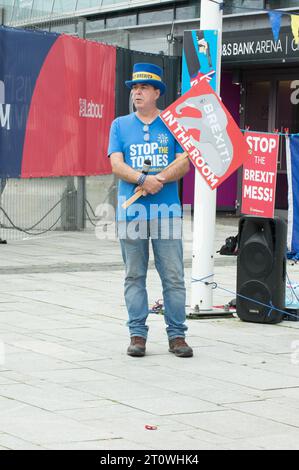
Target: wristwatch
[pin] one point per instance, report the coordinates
(141, 179)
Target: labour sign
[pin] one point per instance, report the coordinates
(259, 175)
(204, 128)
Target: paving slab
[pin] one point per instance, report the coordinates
(39, 426)
(234, 424)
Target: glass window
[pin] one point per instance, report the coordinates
(86, 4)
(274, 4)
(257, 105)
(64, 6)
(158, 16)
(64, 28)
(187, 12)
(6, 3)
(112, 2)
(94, 26)
(42, 8)
(287, 112)
(23, 4)
(8, 10)
(231, 6)
(22, 10)
(119, 21)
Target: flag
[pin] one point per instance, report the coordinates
(295, 27)
(204, 128)
(56, 104)
(259, 175)
(292, 154)
(275, 20)
(202, 76)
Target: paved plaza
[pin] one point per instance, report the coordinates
(67, 383)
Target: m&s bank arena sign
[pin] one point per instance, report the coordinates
(259, 46)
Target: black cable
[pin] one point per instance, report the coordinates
(33, 226)
(86, 212)
(90, 206)
(27, 230)
(99, 219)
(112, 187)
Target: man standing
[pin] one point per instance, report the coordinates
(133, 139)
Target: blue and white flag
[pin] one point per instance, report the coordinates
(292, 155)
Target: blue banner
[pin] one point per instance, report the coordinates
(57, 96)
(22, 54)
(292, 154)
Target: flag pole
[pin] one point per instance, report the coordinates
(204, 197)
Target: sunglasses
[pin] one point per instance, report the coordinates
(146, 136)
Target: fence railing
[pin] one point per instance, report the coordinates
(36, 206)
(32, 207)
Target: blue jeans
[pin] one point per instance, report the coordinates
(168, 255)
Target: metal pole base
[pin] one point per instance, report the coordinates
(292, 314)
(216, 312)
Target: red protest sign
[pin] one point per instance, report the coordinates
(202, 125)
(259, 175)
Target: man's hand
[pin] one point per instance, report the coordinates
(139, 188)
(152, 184)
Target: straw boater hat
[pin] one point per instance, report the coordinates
(147, 73)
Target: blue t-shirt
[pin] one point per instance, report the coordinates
(127, 136)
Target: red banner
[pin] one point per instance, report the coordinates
(259, 175)
(71, 111)
(202, 125)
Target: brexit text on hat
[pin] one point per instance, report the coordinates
(145, 75)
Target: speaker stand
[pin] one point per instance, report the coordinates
(292, 314)
(225, 311)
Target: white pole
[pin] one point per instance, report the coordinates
(204, 197)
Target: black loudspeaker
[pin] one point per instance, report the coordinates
(261, 269)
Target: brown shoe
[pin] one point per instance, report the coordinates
(137, 346)
(179, 347)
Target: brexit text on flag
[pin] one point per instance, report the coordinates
(204, 128)
(259, 175)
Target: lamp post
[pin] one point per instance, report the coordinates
(204, 196)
